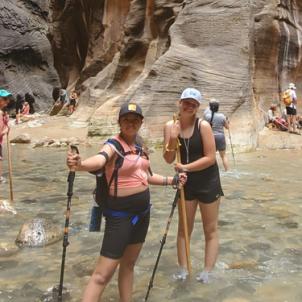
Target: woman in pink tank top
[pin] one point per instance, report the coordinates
(127, 207)
(4, 101)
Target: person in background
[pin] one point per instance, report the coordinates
(291, 109)
(127, 209)
(4, 128)
(25, 109)
(30, 100)
(202, 189)
(73, 102)
(19, 106)
(276, 121)
(218, 122)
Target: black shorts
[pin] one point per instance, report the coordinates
(1, 155)
(291, 111)
(120, 231)
(204, 185)
(220, 142)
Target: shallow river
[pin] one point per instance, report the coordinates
(260, 232)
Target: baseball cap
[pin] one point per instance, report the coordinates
(4, 93)
(130, 108)
(191, 93)
(292, 86)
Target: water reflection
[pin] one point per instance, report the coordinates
(260, 232)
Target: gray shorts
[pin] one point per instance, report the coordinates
(220, 142)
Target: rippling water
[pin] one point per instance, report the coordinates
(260, 232)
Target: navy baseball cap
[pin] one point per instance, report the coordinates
(130, 108)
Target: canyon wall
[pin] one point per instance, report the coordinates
(26, 60)
(242, 52)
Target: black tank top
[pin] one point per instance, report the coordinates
(206, 182)
(191, 148)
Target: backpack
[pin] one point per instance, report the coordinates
(286, 97)
(101, 192)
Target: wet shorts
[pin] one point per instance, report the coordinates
(291, 111)
(204, 197)
(220, 142)
(121, 231)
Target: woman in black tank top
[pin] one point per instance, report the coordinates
(203, 188)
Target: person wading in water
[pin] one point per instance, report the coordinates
(127, 209)
(218, 122)
(203, 188)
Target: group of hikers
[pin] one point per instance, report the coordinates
(126, 166)
(61, 100)
(126, 170)
(288, 119)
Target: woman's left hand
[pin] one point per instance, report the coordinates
(182, 179)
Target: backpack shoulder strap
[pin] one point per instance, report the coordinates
(116, 145)
(118, 162)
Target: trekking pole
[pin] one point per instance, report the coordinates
(230, 138)
(11, 194)
(70, 180)
(162, 243)
(183, 211)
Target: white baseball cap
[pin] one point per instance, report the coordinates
(191, 93)
(292, 86)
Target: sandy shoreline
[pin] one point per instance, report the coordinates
(52, 127)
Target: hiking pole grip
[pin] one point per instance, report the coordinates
(70, 180)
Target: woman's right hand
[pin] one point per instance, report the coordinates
(175, 130)
(73, 160)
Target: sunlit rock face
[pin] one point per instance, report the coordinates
(277, 48)
(26, 62)
(242, 52)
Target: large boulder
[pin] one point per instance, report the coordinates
(39, 232)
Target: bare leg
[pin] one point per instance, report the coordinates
(209, 214)
(126, 271)
(224, 160)
(102, 274)
(294, 122)
(191, 207)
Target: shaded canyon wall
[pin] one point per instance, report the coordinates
(26, 60)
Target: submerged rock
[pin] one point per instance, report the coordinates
(21, 139)
(8, 249)
(52, 294)
(39, 232)
(244, 264)
(6, 207)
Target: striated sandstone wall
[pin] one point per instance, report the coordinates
(26, 62)
(242, 52)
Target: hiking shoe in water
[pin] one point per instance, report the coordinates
(2, 180)
(181, 274)
(203, 277)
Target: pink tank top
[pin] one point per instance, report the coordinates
(133, 172)
(3, 124)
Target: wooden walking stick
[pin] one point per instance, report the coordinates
(182, 206)
(11, 194)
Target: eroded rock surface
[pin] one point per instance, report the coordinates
(242, 52)
(26, 60)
